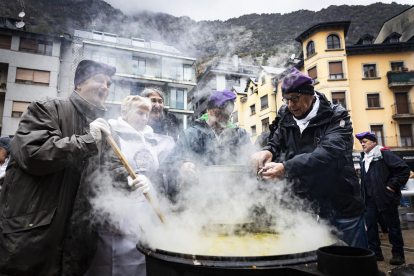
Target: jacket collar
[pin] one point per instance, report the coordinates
(377, 153)
(87, 109)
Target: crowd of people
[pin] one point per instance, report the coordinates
(59, 155)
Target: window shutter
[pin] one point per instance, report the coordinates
(405, 130)
(24, 74)
(312, 73)
(28, 44)
(335, 67)
(5, 42)
(338, 95)
(20, 106)
(41, 76)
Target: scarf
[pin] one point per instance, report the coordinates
(369, 156)
(303, 123)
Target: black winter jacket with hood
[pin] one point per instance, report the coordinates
(319, 160)
(385, 169)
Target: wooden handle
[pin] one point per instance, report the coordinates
(131, 172)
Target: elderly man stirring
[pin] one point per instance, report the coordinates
(56, 148)
(312, 146)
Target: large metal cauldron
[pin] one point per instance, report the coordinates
(356, 261)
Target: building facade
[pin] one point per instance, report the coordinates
(256, 106)
(373, 79)
(32, 66)
(224, 75)
(139, 64)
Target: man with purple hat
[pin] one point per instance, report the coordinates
(54, 152)
(383, 174)
(312, 147)
(211, 140)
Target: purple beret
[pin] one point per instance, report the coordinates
(220, 97)
(296, 82)
(368, 135)
(89, 68)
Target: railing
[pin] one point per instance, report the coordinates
(402, 109)
(160, 73)
(400, 79)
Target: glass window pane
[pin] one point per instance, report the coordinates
(96, 56)
(48, 50)
(173, 100)
(40, 48)
(180, 99)
(104, 58)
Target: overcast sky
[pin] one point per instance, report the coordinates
(225, 9)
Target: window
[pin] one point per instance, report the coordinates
(235, 116)
(313, 75)
(35, 47)
(19, 108)
(333, 42)
(138, 42)
(394, 39)
(335, 70)
(104, 57)
(406, 135)
(339, 99)
(138, 66)
(177, 98)
(136, 88)
(251, 90)
(310, 48)
(373, 100)
(370, 71)
(263, 102)
(5, 42)
(253, 130)
(232, 81)
(188, 73)
(377, 130)
(252, 109)
(367, 41)
(34, 77)
(397, 65)
(401, 103)
(263, 80)
(265, 125)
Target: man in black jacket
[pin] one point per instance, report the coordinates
(312, 146)
(383, 174)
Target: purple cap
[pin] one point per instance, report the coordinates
(296, 82)
(220, 97)
(89, 68)
(368, 135)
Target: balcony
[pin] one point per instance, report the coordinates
(400, 79)
(402, 111)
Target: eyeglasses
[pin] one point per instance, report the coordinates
(293, 99)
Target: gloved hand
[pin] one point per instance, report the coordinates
(98, 126)
(140, 184)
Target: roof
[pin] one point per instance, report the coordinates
(10, 23)
(394, 17)
(384, 47)
(253, 80)
(365, 36)
(273, 70)
(239, 90)
(326, 25)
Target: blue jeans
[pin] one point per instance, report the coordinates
(352, 231)
(392, 220)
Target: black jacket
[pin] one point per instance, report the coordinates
(199, 145)
(44, 228)
(319, 160)
(385, 169)
(167, 126)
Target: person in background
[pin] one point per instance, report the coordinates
(161, 121)
(55, 152)
(312, 147)
(117, 253)
(211, 140)
(383, 176)
(4, 157)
